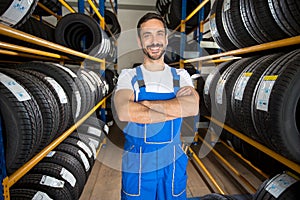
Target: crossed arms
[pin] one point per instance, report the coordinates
(185, 104)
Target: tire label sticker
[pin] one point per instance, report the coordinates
(213, 27)
(41, 195)
(226, 5)
(50, 154)
(16, 11)
(52, 182)
(68, 176)
(94, 142)
(59, 90)
(72, 74)
(84, 160)
(264, 92)
(106, 129)
(208, 82)
(280, 184)
(219, 91)
(16, 89)
(78, 100)
(241, 85)
(94, 131)
(93, 150)
(85, 148)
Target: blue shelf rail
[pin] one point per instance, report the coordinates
(8, 181)
(2, 161)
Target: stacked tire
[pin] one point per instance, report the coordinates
(259, 96)
(282, 186)
(62, 174)
(74, 28)
(242, 23)
(39, 101)
(15, 13)
(172, 12)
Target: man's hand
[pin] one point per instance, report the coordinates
(185, 91)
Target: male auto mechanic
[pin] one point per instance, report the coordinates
(153, 98)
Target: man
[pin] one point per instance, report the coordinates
(153, 98)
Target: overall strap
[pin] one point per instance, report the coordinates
(176, 78)
(139, 79)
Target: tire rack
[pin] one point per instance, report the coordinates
(8, 181)
(261, 47)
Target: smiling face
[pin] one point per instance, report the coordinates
(153, 39)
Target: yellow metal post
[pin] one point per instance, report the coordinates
(66, 5)
(11, 32)
(292, 165)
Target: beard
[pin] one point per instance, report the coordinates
(157, 57)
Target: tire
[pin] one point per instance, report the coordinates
(99, 84)
(259, 22)
(92, 133)
(216, 27)
(40, 182)
(65, 81)
(224, 89)
(15, 13)
(21, 123)
(81, 95)
(203, 110)
(95, 95)
(26, 194)
(85, 139)
(97, 123)
(243, 91)
(76, 153)
(39, 29)
(234, 26)
(216, 196)
(46, 102)
(60, 96)
(86, 27)
(71, 164)
(210, 84)
(58, 172)
(111, 20)
(279, 84)
(287, 187)
(286, 14)
(83, 147)
(111, 79)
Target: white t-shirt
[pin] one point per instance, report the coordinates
(155, 81)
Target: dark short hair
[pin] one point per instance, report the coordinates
(147, 17)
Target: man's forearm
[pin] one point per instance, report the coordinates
(181, 106)
(140, 113)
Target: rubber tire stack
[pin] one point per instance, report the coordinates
(37, 105)
(242, 23)
(34, 100)
(260, 99)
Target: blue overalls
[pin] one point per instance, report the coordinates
(153, 163)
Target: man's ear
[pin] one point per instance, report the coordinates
(167, 40)
(139, 42)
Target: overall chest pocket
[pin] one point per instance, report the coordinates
(159, 133)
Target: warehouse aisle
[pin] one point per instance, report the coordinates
(105, 179)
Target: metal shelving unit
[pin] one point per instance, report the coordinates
(8, 181)
(257, 48)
